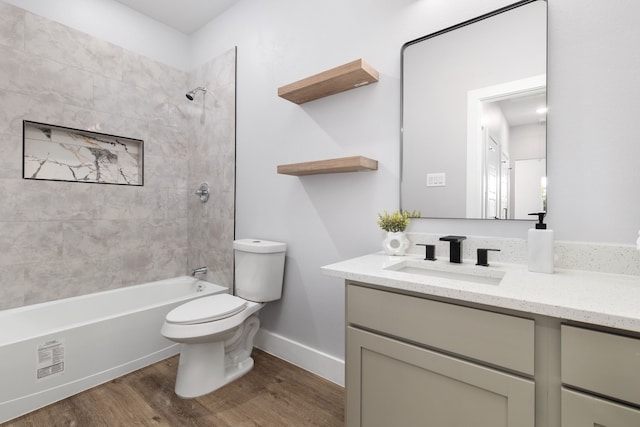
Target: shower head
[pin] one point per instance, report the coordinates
(192, 93)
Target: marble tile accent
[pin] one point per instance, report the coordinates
(54, 153)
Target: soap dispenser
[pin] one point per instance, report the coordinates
(540, 246)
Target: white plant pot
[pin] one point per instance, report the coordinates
(396, 243)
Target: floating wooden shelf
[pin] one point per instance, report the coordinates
(348, 76)
(345, 164)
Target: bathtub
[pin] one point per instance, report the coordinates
(56, 349)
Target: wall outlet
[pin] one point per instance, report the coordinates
(436, 179)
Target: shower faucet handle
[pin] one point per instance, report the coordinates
(203, 192)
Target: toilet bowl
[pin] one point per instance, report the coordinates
(216, 332)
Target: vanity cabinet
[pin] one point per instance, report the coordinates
(415, 361)
(600, 378)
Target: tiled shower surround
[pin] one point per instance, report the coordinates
(60, 239)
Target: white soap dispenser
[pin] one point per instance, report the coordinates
(540, 246)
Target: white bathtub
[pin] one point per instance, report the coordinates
(56, 349)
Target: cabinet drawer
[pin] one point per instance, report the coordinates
(493, 338)
(603, 363)
(579, 410)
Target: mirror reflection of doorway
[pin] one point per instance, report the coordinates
(530, 183)
(511, 115)
(492, 180)
(505, 186)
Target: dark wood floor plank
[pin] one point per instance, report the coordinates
(274, 393)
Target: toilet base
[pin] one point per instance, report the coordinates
(205, 367)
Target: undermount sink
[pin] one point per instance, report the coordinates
(424, 268)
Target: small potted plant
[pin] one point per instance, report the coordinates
(395, 225)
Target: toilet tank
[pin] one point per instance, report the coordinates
(259, 269)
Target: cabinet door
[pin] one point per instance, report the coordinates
(392, 383)
(581, 410)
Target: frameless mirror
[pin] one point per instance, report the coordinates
(474, 117)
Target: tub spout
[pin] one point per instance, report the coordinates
(198, 271)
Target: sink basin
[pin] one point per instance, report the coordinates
(424, 268)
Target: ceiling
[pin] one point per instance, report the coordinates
(522, 110)
(186, 16)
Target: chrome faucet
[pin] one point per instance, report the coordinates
(200, 270)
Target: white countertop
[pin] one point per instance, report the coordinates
(611, 300)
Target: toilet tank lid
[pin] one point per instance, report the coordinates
(259, 246)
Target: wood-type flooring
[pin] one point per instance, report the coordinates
(274, 393)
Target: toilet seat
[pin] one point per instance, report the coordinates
(206, 309)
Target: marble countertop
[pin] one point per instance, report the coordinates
(603, 299)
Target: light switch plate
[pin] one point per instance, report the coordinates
(436, 179)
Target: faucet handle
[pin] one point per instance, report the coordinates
(483, 256)
(429, 251)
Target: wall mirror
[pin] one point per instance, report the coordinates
(474, 117)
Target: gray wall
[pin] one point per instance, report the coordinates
(594, 80)
(59, 239)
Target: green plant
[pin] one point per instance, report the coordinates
(396, 221)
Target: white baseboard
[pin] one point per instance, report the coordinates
(307, 358)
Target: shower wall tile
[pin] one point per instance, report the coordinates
(166, 172)
(70, 277)
(13, 286)
(35, 107)
(11, 158)
(61, 239)
(11, 25)
(140, 203)
(168, 142)
(219, 72)
(177, 204)
(28, 74)
(57, 42)
(211, 224)
(33, 241)
(154, 76)
(161, 263)
(126, 98)
(109, 122)
(39, 201)
(107, 238)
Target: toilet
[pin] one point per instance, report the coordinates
(216, 332)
